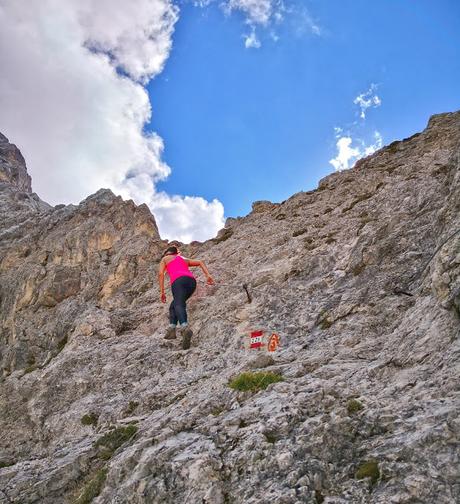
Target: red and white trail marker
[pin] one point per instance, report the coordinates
(256, 339)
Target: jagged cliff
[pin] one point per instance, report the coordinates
(361, 280)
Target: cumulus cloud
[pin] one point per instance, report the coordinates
(267, 15)
(348, 154)
(350, 146)
(367, 99)
(345, 154)
(72, 97)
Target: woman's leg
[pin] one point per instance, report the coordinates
(172, 314)
(182, 288)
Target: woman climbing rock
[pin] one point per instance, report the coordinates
(183, 285)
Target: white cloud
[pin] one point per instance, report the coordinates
(345, 155)
(267, 15)
(251, 40)
(378, 144)
(72, 98)
(191, 218)
(368, 99)
(350, 149)
(348, 154)
(257, 12)
(303, 22)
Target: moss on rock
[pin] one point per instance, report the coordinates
(111, 441)
(369, 469)
(353, 406)
(6, 464)
(132, 405)
(93, 488)
(89, 419)
(254, 381)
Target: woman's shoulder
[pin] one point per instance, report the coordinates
(171, 258)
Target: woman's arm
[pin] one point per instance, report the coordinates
(161, 280)
(201, 264)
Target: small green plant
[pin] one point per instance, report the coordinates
(325, 324)
(6, 464)
(270, 437)
(32, 364)
(93, 488)
(217, 411)
(369, 469)
(323, 320)
(353, 406)
(254, 381)
(111, 441)
(132, 405)
(90, 419)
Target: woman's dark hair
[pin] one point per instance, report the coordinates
(169, 251)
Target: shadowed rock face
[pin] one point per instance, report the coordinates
(13, 167)
(361, 280)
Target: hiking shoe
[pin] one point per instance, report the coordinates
(187, 334)
(170, 333)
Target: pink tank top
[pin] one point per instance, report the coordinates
(177, 268)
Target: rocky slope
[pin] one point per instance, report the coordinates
(361, 280)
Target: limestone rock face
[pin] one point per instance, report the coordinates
(13, 167)
(359, 278)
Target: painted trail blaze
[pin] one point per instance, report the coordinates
(256, 339)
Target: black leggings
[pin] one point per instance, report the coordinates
(182, 288)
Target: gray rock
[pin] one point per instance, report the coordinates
(360, 279)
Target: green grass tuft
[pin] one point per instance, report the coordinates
(369, 469)
(254, 381)
(325, 324)
(271, 438)
(6, 464)
(353, 406)
(93, 488)
(90, 419)
(110, 442)
(217, 410)
(132, 405)
(32, 364)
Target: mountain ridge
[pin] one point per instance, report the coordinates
(328, 270)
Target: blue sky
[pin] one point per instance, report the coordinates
(242, 124)
(197, 108)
